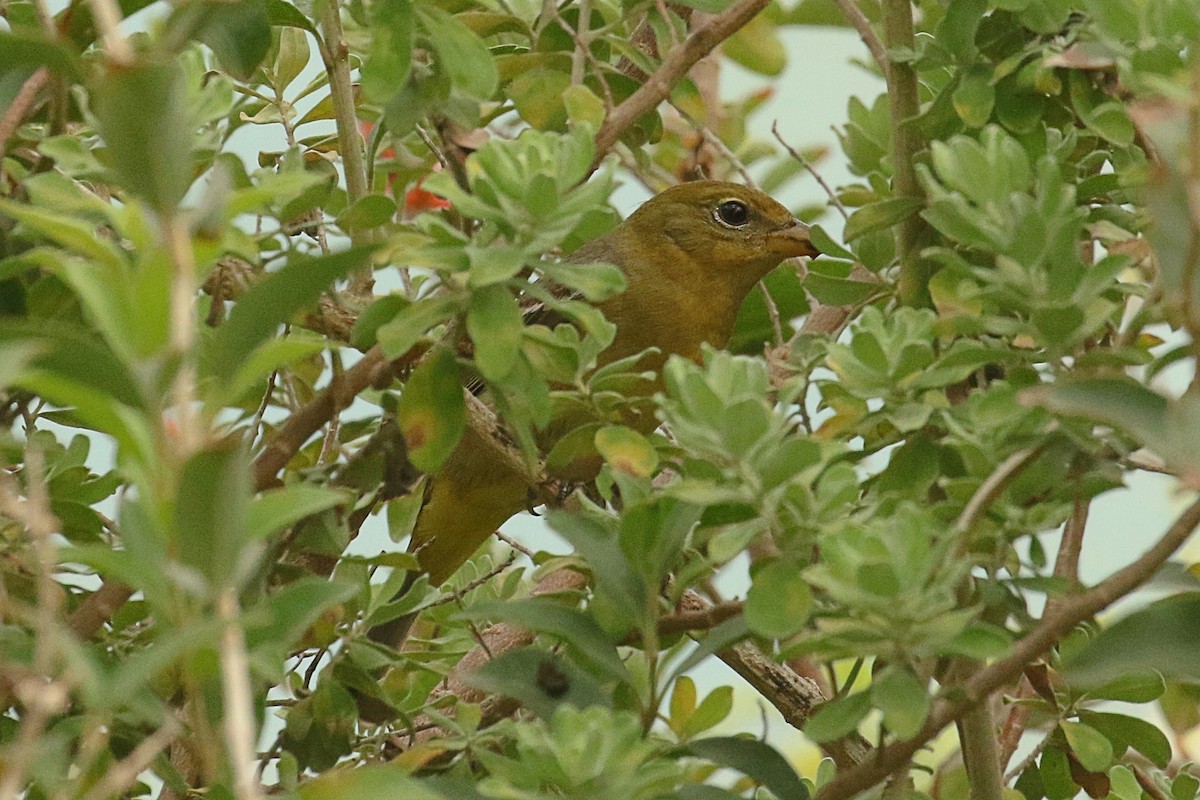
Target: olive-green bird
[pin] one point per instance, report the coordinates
(690, 256)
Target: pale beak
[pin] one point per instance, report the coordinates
(793, 241)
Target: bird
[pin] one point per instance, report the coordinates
(690, 255)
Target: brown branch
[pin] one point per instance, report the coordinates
(1066, 565)
(98, 607)
(795, 697)
(16, 111)
(336, 55)
(906, 141)
(657, 87)
(989, 491)
(960, 699)
(860, 23)
(373, 369)
(699, 619)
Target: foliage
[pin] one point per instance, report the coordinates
(214, 373)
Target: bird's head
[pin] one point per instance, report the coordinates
(725, 226)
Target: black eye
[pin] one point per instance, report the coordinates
(733, 213)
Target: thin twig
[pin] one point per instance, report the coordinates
(458, 594)
(120, 776)
(1027, 760)
(42, 696)
(958, 700)
(992, 487)
(238, 701)
(657, 87)
(772, 314)
(330, 446)
(711, 137)
(860, 23)
(1066, 565)
(336, 55)
(12, 117)
(583, 42)
(107, 16)
(183, 322)
(804, 162)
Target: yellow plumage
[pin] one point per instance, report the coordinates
(690, 256)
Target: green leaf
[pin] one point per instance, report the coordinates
(757, 46)
(374, 782)
(903, 700)
(210, 515)
(142, 112)
(722, 637)
(832, 291)
(1090, 746)
(539, 96)
(956, 32)
(363, 336)
(1104, 117)
(269, 356)
(98, 410)
(367, 212)
(975, 96)
(583, 106)
(281, 508)
(1164, 636)
(779, 601)
(539, 680)
(271, 303)
(1124, 731)
(461, 53)
(575, 628)
(1055, 772)
(683, 703)
(432, 412)
(594, 536)
(712, 710)
(70, 233)
(496, 325)
(1167, 427)
(413, 322)
(75, 354)
(626, 450)
(292, 610)
(286, 14)
(1144, 686)
(838, 718)
(880, 215)
(239, 34)
(389, 62)
(753, 758)
(596, 282)
(23, 51)
(827, 244)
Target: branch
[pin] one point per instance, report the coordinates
(12, 117)
(859, 21)
(657, 87)
(700, 619)
(959, 700)
(1066, 565)
(904, 105)
(372, 370)
(336, 54)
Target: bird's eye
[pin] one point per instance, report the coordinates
(732, 213)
